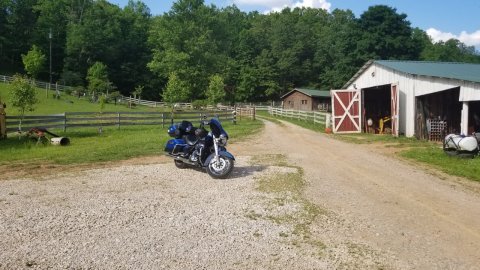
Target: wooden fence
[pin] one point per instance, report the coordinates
(315, 117)
(39, 84)
(155, 104)
(68, 120)
(246, 112)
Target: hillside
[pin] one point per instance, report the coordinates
(66, 103)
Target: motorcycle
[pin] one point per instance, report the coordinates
(462, 146)
(198, 148)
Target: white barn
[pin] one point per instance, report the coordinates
(411, 97)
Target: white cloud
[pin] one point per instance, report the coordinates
(263, 3)
(278, 5)
(323, 4)
(470, 39)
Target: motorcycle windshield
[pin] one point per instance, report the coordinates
(217, 128)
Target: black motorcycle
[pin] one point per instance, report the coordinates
(197, 147)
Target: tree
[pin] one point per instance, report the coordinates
(3, 31)
(176, 90)
(53, 17)
(451, 50)
(138, 91)
(95, 37)
(216, 90)
(187, 41)
(33, 61)
(23, 96)
(386, 35)
(18, 31)
(336, 59)
(97, 78)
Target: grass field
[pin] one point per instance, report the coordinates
(428, 153)
(66, 103)
(87, 144)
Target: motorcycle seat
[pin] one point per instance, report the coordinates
(191, 139)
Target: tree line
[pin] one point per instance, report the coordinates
(199, 52)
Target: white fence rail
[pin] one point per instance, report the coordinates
(136, 101)
(155, 103)
(39, 84)
(321, 118)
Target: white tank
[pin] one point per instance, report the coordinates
(461, 143)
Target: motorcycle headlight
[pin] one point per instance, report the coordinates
(222, 140)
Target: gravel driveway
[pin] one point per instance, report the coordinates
(155, 216)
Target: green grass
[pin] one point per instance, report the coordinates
(88, 146)
(434, 156)
(66, 103)
(427, 153)
(244, 129)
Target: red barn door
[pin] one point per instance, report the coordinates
(346, 114)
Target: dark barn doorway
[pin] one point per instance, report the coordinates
(438, 114)
(473, 117)
(377, 109)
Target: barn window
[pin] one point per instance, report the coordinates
(304, 101)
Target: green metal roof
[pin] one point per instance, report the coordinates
(449, 70)
(310, 92)
(458, 71)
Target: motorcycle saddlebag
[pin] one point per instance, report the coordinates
(175, 146)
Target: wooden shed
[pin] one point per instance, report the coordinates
(307, 100)
(414, 98)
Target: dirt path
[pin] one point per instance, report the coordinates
(417, 219)
(360, 210)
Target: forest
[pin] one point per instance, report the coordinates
(183, 54)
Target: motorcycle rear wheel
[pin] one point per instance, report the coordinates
(222, 169)
(180, 164)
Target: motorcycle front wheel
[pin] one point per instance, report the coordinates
(220, 169)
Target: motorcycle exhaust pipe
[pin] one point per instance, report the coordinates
(184, 160)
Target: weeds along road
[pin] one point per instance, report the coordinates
(357, 209)
(423, 219)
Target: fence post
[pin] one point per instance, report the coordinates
(57, 93)
(118, 120)
(234, 119)
(254, 112)
(328, 120)
(3, 122)
(163, 119)
(64, 122)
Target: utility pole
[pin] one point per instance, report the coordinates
(50, 38)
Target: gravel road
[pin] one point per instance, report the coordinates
(374, 212)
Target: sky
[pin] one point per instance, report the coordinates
(441, 19)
